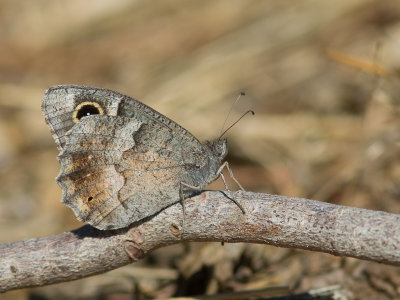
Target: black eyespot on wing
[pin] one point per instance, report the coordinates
(85, 109)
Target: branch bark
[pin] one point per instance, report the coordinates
(269, 219)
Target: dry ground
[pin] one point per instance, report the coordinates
(326, 125)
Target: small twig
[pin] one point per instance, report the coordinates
(269, 219)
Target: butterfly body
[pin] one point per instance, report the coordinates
(121, 161)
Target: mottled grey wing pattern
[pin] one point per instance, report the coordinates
(108, 180)
(121, 161)
(59, 104)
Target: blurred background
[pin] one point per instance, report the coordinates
(322, 77)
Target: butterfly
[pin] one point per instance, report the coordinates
(122, 161)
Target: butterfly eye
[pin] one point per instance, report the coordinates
(85, 109)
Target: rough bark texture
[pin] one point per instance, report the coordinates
(211, 216)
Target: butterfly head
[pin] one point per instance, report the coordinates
(219, 149)
(214, 153)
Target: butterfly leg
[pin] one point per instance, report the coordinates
(181, 185)
(219, 172)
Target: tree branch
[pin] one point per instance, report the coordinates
(211, 216)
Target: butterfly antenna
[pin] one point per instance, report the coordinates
(230, 110)
(234, 123)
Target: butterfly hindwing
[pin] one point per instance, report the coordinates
(113, 173)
